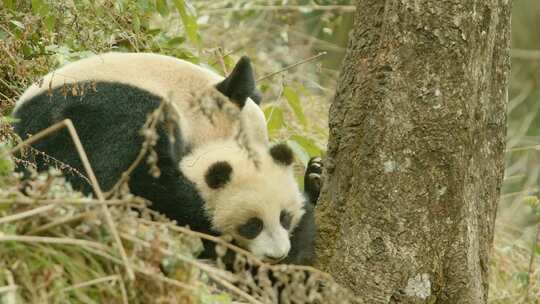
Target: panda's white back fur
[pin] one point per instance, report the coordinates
(167, 77)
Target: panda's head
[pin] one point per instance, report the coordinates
(257, 202)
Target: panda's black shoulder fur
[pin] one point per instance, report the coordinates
(303, 239)
(108, 118)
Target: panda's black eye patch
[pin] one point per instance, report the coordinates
(282, 154)
(218, 175)
(285, 219)
(251, 228)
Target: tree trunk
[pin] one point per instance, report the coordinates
(415, 155)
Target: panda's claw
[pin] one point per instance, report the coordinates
(316, 167)
(313, 179)
(316, 159)
(316, 180)
(314, 175)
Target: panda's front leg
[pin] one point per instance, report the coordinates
(313, 179)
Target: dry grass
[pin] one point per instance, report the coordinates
(57, 249)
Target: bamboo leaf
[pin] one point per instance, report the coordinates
(50, 22)
(308, 144)
(294, 102)
(136, 23)
(162, 8)
(36, 6)
(274, 119)
(189, 19)
(40, 8)
(176, 41)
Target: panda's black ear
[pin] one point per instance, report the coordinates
(282, 154)
(256, 96)
(218, 175)
(240, 84)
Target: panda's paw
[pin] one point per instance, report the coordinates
(313, 179)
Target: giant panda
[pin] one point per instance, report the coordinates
(209, 179)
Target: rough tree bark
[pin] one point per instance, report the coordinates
(415, 155)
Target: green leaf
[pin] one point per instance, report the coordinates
(274, 119)
(136, 23)
(50, 21)
(308, 144)
(6, 166)
(153, 32)
(175, 41)
(9, 119)
(36, 6)
(299, 151)
(189, 19)
(229, 62)
(162, 8)
(294, 101)
(215, 299)
(17, 24)
(523, 278)
(40, 8)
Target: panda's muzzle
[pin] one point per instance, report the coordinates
(274, 260)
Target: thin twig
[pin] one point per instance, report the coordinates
(221, 61)
(208, 269)
(100, 196)
(144, 271)
(525, 54)
(300, 8)
(211, 272)
(11, 288)
(63, 201)
(51, 240)
(531, 262)
(110, 278)
(21, 215)
(312, 58)
(8, 99)
(123, 290)
(523, 192)
(67, 123)
(252, 258)
(224, 55)
(62, 221)
(167, 280)
(280, 93)
(38, 136)
(208, 237)
(236, 290)
(14, 91)
(526, 148)
(8, 288)
(521, 97)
